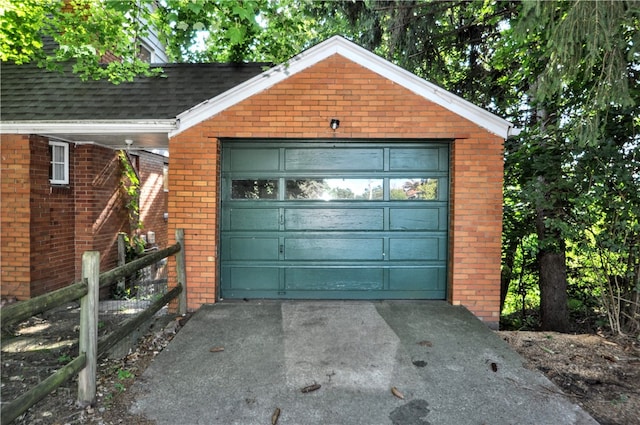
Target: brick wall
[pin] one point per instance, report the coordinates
(100, 212)
(45, 228)
(369, 107)
(52, 223)
(15, 273)
(476, 225)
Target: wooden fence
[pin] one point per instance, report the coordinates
(90, 348)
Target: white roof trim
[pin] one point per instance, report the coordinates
(88, 127)
(361, 56)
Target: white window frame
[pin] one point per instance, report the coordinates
(56, 179)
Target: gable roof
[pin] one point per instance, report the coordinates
(351, 51)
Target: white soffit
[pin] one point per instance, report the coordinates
(361, 56)
(88, 127)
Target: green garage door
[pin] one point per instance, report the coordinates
(334, 220)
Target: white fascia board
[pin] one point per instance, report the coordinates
(88, 127)
(483, 118)
(361, 56)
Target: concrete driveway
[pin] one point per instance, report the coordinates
(449, 367)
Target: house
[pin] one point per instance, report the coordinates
(50, 219)
(337, 175)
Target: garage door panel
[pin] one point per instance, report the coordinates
(254, 219)
(417, 279)
(333, 279)
(334, 219)
(251, 248)
(419, 249)
(324, 249)
(316, 159)
(425, 159)
(433, 218)
(251, 278)
(256, 159)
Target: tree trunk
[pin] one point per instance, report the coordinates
(554, 313)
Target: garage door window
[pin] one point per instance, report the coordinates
(319, 189)
(414, 189)
(254, 189)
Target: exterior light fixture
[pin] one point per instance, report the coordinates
(128, 142)
(335, 123)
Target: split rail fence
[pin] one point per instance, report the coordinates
(90, 347)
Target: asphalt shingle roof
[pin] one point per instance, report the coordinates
(31, 93)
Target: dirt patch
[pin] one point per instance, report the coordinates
(601, 374)
(38, 347)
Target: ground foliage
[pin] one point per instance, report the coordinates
(597, 372)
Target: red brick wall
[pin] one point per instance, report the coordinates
(15, 273)
(475, 233)
(46, 228)
(369, 107)
(100, 212)
(52, 223)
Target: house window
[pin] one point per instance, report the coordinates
(144, 54)
(59, 171)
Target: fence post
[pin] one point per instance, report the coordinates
(88, 339)
(122, 253)
(182, 272)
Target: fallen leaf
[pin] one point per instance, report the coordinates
(275, 416)
(426, 343)
(397, 393)
(216, 349)
(547, 350)
(310, 388)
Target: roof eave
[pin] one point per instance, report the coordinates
(89, 126)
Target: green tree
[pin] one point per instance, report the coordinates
(590, 57)
(236, 30)
(53, 32)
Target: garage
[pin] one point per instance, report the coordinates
(338, 175)
(334, 219)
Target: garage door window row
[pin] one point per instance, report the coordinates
(328, 189)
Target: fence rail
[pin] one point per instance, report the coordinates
(90, 348)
